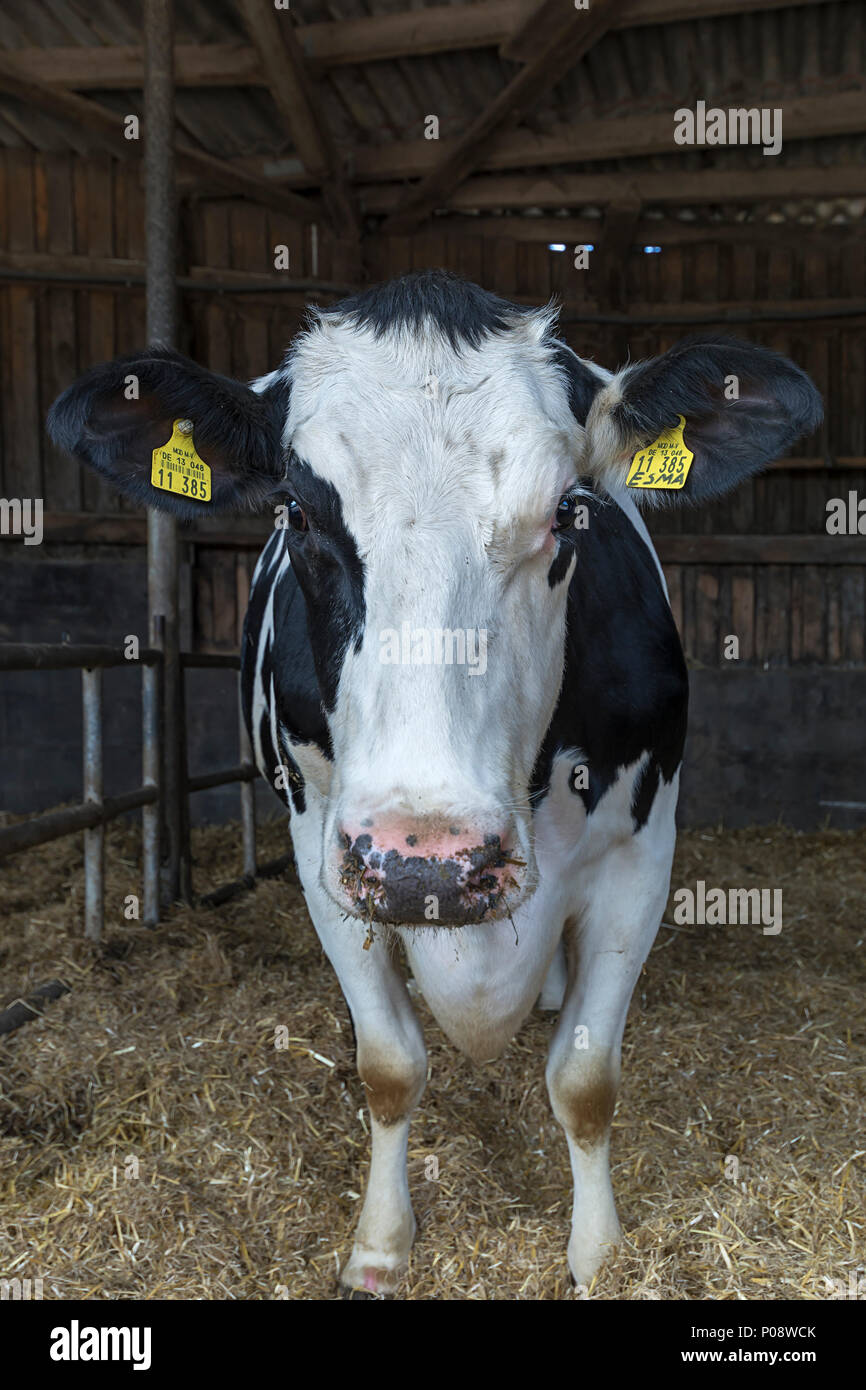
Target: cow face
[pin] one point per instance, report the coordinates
(425, 442)
(433, 487)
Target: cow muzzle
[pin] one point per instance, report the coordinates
(429, 871)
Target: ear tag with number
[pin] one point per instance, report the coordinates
(663, 464)
(177, 468)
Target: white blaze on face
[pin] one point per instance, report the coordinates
(449, 465)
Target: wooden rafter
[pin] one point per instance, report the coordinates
(565, 36)
(619, 137)
(298, 99)
(336, 43)
(108, 127)
(701, 186)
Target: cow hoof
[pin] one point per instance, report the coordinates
(365, 1279)
(587, 1256)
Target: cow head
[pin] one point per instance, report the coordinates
(426, 442)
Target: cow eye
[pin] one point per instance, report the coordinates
(565, 512)
(297, 516)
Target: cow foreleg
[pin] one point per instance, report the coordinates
(623, 898)
(392, 1064)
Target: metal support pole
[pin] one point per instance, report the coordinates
(160, 270)
(248, 795)
(150, 768)
(94, 838)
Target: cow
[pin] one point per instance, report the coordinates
(449, 480)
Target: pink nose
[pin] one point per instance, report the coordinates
(428, 871)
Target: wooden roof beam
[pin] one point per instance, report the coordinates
(298, 99)
(108, 126)
(685, 187)
(615, 137)
(336, 43)
(564, 37)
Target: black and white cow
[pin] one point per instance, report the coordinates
(452, 478)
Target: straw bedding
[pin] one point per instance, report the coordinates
(155, 1144)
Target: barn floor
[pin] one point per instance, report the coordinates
(250, 1160)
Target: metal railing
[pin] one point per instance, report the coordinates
(96, 809)
(92, 814)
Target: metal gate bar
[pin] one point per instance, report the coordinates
(96, 809)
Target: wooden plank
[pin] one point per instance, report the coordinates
(349, 41)
(614, 137)
(569, 35)
(707, 636)
(107, 127)
(490, 192)
(772, 625)
(22, 429)
(99, 495)
(742, 611)
(22, 426)
(302, 107)
(814, 618)
(59, 350)
(853, 595)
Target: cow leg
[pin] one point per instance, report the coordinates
(392, 1064)
(622, 900)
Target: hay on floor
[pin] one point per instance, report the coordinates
(155, 1144)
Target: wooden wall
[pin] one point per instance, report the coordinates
(806, 604)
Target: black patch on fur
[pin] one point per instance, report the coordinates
(464, 312)
(329, 570)
(625, 685)
(237, 431)
(730, 439)
(319, 610)
(644, 793)
(290, 666)
(582, 384)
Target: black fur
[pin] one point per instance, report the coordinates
(464, 312)
(329, 571)
(625, 686)
(581, 382)
(237, 432)
(291, 668)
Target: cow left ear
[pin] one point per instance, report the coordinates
(729, 405)
(173, 435)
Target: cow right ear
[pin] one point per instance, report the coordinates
(218, 443)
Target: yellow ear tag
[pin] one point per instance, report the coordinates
(177, 468)
(663, 464)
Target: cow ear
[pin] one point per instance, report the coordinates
(732, 406)
(117, 414)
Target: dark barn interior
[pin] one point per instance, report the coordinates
(319, 149)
